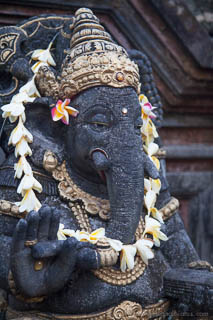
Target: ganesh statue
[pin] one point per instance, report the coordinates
(88, 228)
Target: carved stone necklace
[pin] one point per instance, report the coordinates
(82, 205)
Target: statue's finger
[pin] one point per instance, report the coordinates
(84, 244)
(19, 236)
(54, 224)
(44, 223)
(33, 222)
(88, 259)
(47, 249)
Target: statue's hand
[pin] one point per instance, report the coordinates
(87, 256)
(47, 275)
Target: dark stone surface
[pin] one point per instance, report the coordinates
(202, 9)
(178, 251)
(200, 208)
(175, 13)
(197, 188)
(191, 288)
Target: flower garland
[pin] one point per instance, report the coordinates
(20, 138)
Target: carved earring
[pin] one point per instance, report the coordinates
(50, 161)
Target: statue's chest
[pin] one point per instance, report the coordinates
(90, 291)
(88, 294)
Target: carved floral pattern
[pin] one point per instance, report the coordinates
(7, 46)
(70, 191)
(126, 310)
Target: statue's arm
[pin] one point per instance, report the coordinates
(178, 249)
(186, 288)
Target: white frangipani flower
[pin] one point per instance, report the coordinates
(150, 199)
(96, 235)
(37, 65)
(148, 130)
(146, 107)
(148, 111)
(115, 244)
(29, 182)
(22, 166)
(62, 110)
(144, 249)
(30, 88)
(44, 56)
(152, 184)
(81, 235)
(152, 226)
(155, 185)
(22, 148)
(157, 214)
(22, 97)
(64, 233)
(151, 150)
(13, 111)
(152, 188)
(60, 233)
(18, 133)
(29, 202)
(147, 184)
(128, 253)
(70, 233)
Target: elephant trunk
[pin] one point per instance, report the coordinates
(125, 183)
(125, 188)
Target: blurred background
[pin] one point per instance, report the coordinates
(177, 36)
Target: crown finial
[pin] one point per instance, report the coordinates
(87, 27)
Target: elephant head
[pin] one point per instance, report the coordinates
(104, 146)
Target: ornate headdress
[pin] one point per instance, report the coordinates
(94, 59)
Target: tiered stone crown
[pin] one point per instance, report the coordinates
(94, 59)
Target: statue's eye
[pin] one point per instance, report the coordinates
(99, 122)
(98, 126)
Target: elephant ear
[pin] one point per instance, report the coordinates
(148, 87)
(17, 44)
(10, 51)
